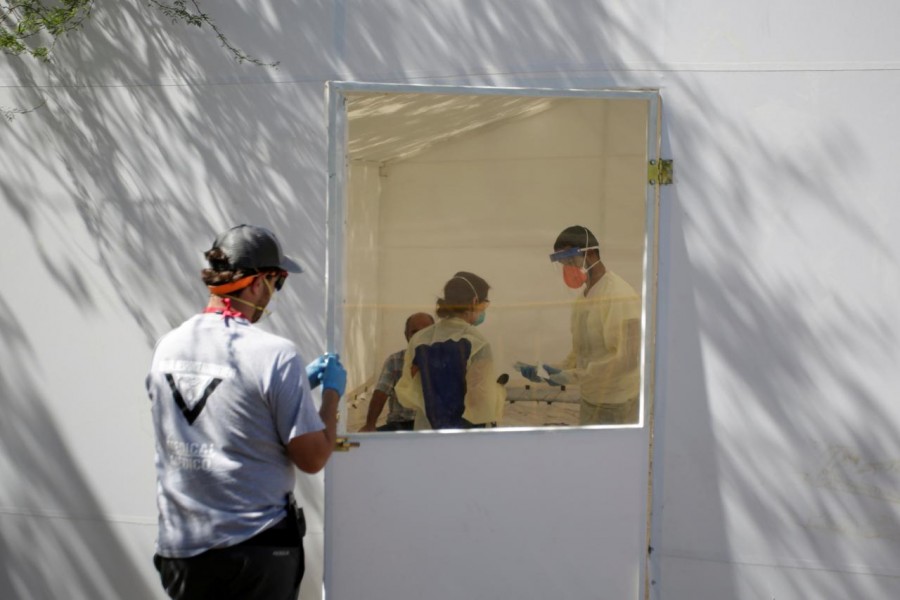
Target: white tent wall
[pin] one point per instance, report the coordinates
(786, 485)
(775, 450)
(363, 314)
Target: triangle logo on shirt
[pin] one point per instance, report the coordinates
(196, 391)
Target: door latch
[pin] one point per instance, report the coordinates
(343, 444)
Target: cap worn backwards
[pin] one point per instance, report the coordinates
(252, 248)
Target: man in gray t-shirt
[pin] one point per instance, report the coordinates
(233, 416)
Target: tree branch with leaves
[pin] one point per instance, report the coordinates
(189, 12)
(26, 25)
(32, 27)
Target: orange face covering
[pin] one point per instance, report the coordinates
(575, 277)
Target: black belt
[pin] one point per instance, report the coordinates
(287, 532)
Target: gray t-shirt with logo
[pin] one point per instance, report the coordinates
(226, 398)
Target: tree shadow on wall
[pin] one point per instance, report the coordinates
(55, 541)
(798, 479)
(147, 175)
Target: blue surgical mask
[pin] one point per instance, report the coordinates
(480, 318)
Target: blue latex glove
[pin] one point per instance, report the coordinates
(559, 378)
(315, 369)
(552, 370)
(335, 376)
(529, 372)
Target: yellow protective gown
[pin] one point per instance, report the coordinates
(605, 356)
(484, 398)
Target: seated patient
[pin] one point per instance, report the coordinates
(399, 418)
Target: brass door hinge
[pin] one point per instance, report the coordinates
(660, 172)
(344, 445)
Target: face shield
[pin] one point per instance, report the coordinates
(574, 274)
(565, 254)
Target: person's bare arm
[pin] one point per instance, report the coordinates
(310, 451)
(376, 405)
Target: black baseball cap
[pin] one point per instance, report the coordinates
(252, 248)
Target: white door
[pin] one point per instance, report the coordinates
(534, 508)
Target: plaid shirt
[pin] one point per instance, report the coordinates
(390, 374)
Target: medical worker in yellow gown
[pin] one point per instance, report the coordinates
(448, 369)
(606, 334)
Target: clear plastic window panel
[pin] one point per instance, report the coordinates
(438, 184)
